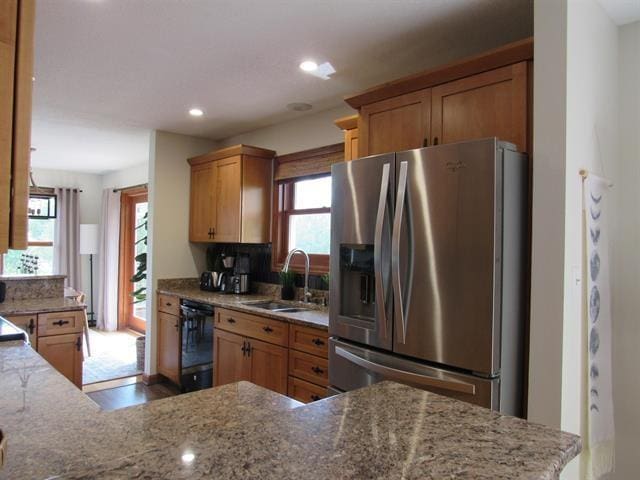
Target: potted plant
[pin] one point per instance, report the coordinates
(287, 281)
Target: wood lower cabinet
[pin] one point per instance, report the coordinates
(268, 365)
(395, 124)
(230, 355)
(169, 346)
(28, 323)
(240, 358)
(230, 195)
(489, 104)
(64, 353)
(305, 392)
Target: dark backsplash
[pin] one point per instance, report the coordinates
(260, 263)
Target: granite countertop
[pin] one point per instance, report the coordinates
(316, 316)
(36, 305)
(53, 428)
(244, 431)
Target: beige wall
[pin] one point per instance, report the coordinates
(127, 177)
(170, 253)
(549, 125)
(626, 260)
(309, 131)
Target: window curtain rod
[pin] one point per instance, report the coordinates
(39, 189)
(140, 185)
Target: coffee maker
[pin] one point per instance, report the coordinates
(241, 270)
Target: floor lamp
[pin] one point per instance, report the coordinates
(89, 246)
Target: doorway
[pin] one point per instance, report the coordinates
(132, 292)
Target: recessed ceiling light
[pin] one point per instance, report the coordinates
(308, 66)
(196, 112)
(299, 106)
(188, 457)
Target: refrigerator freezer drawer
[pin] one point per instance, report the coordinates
(352, 366)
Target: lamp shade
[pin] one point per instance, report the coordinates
(88, 239)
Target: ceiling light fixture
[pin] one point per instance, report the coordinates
(308, 66)
(188, 457)
(299, 106)
(196, 112)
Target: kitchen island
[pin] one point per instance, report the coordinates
(244, 431)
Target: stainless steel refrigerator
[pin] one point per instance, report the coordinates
(428, 259)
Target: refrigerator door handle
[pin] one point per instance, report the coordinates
(395, 251)
(377, 251)
(401, 375)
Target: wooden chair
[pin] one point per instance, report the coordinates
(80, 298)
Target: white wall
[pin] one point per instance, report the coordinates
(89, 205)
(309, 131)
(170, 254)
(127, 177)
(626, 260)
(592, 144)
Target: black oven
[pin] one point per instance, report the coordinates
(196, 346)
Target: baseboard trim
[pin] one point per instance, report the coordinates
(151, 379)
(119, 382)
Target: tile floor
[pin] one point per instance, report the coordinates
(113, 355)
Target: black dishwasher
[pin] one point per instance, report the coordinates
(196, 346)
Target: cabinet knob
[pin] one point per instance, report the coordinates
(315, 398)
(425, 143)
(168, 304)
(317, 341)
(267, 329)
(317, 370)
(231, 320)
(435, 140)
(79, 343)
(32, 326)
(61, 322)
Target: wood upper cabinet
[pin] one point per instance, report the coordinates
(231, 195)
(487, 95)
(17, 20)
(169, 346)
(230, 363)
(489, 104)
(394, 124)
(64, 353)
(201, 214)
(349, 125)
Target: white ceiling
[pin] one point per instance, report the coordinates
(622, 11)
(108, 71)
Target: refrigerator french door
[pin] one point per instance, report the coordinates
(439, 275)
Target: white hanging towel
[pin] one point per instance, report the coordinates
(599, 451)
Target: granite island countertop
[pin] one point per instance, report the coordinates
(37, 305)
(240, 430)
(316, 316)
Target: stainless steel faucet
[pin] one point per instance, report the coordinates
(285, 268)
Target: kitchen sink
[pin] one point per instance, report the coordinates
(276, 307)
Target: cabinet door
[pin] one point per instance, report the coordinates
(351, 144)
(231, 364)
(268, 366)
(201, 211)
(169, 346)
(64, 353)
(305, 392)
(395, 124)
(28, 323)
(8, 23)
(489, 104)
(227, 199)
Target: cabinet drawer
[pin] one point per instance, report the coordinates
(169, 304)
(267, 329)
(309, 367)
(310, 340)
(305, 391)
(58, 323)
(28, 323)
